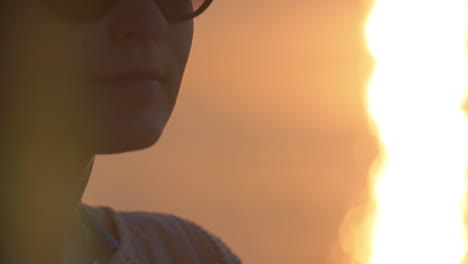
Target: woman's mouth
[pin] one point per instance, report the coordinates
(148, 74)
(132, 87)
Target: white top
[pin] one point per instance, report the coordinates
(152, 238)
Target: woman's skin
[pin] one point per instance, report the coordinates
(56, 117)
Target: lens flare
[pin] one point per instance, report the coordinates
(415, 101)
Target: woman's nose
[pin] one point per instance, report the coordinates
(137, 20)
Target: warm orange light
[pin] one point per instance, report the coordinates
(415, 98)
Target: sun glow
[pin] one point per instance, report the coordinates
(415, 99)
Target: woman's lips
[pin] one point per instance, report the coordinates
(148, 74)
(132, 87)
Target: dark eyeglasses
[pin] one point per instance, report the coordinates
(86, 10)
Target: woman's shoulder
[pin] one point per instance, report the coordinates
(174, 239)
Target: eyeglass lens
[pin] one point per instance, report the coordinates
(82, 10)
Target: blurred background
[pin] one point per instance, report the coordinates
(269, 145)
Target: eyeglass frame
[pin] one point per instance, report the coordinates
(166, 14)
(200, 10)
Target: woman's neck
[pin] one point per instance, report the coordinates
(40, 194)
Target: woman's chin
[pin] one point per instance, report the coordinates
(131, 133)
(127, 141)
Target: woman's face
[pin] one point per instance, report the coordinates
(111, 82)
